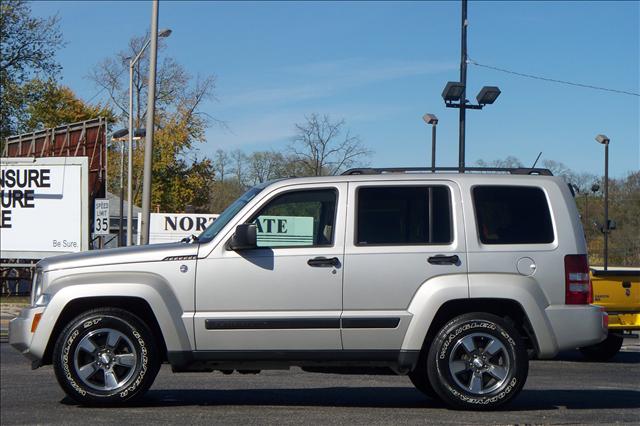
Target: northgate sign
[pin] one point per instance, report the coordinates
(172, 227)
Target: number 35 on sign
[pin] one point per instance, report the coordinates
(101, 217)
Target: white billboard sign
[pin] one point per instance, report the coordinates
(172, 227)
(101, 216)
(44, 206)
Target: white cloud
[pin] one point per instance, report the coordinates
(324, 79)
(278, 127)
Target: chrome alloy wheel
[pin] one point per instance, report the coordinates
(479, 363)
(105, 359)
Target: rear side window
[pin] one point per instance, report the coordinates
(403, 215)
(512, 215)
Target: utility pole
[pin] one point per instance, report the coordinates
(463, 80)
(148, 145)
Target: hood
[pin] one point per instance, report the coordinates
(133, 254)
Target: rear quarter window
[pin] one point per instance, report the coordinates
(512, 215)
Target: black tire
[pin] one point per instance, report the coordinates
(477, 361)
(420, 378)
(106, 356)
(604, 350)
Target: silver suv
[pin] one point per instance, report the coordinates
(454, 279)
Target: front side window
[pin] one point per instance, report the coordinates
(403, 215)
(512, 215)
(297, 219)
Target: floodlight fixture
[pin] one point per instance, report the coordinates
(488, 95)
(119, 134)
(452, 91)
(603, 139)
(430, 119)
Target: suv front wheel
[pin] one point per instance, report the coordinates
(477, 361)
(105, 356)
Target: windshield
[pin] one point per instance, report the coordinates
(224, 218)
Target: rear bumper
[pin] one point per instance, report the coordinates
(20, 334)
(577, 326)
(620, 321)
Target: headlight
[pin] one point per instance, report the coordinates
(36, 287)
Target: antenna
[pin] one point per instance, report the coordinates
(536, 162)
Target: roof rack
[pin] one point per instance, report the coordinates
(510, 170)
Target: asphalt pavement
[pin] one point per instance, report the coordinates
(567, 390)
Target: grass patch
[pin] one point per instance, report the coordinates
(15, 300)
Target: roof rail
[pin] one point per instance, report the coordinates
(510, 170)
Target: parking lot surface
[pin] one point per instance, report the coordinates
(565, 390)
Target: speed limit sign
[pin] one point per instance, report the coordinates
(101, 217)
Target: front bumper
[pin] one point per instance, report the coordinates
(20, 334)
(576, 326)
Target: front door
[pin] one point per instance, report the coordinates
(287, 293)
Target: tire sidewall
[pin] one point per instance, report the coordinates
(441, 377)
(127, 324)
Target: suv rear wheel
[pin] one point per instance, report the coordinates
(105, 356)
(477, 361)
(604, 350)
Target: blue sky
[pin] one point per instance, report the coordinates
(382, 65)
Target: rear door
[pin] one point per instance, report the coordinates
(400, 235)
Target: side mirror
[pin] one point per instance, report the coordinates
(244, 238)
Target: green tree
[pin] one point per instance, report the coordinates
(27, 50)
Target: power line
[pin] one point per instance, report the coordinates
(570, 83)
(96, 95)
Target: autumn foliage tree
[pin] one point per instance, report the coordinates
(180, 175)
(27, 51)
(59, 105)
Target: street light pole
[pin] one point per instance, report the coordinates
(463, 80)
(130, 164)
(120, 234)
(433, 148)
(148, 146)
(433, 120)
(132, 62)
(604, 140)
(606, 205)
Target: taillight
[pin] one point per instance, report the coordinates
(577, 282)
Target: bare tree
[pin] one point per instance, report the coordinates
(265, 165)
(321, 148)
(239, 161)
(221, 162)
(509, 162)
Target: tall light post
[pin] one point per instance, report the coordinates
(455, 92)
(132, 62)
(433, 120)
(604, 140)
(120, 136)
(463, 80)
(143, 228)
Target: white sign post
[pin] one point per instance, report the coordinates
(101, 217)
